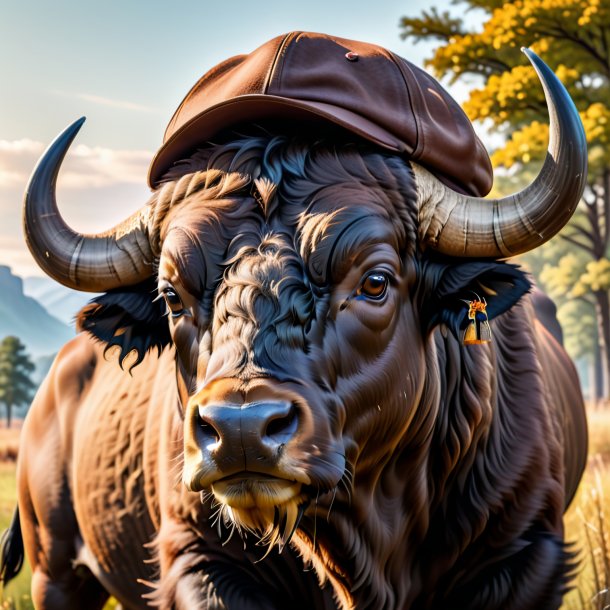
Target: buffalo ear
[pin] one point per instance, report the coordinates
(447, 284)
(131, 318)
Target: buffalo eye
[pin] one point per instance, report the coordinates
(374, 286)
(174, 303)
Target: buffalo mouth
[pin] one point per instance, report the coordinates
(250, 491)
(266, 506)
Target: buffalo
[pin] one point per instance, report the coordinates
(270, 405)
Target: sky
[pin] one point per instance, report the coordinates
(126, 66)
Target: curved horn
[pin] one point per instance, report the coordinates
(94, 263)
(459, 225)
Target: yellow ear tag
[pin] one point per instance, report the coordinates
(478, 330)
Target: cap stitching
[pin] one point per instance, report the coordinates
(415, 105)
(278, 54)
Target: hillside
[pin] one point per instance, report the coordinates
(61, 302)
(24, 317)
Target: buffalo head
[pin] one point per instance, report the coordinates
(299, 280)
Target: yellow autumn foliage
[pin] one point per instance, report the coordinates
(597, 276)
(505, 95)
(560, 279)
(525, 145)
(530, 142)
(596, 121)
(544, 25)
(572, 36)
(568, 278)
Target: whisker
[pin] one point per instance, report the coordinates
(331, 504)
(315, 529)
(300, 514)
(233, 526)
(347, 489)
(315, 521)
(205, 496)
(219, 525)
(215, 520)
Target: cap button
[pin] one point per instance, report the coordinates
(351, 56)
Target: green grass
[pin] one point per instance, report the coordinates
(16, 595)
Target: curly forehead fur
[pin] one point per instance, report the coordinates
(283, 176)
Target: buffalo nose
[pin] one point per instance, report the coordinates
(258, 429)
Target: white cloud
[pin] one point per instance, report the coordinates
(14, 253)
(97, 166)
(107, 101)
(20, 146)
(16, 161)
(123, 104)
(97, 187)
(84, 166)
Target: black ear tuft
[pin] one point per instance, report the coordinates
(448, 283)
(130, 318)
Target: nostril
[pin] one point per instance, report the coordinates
(282, 427)
(208, 432)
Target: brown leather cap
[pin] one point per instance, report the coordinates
(361, 87)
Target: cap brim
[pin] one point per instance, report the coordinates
(258, 107)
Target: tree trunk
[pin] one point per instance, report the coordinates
(602, 308)
(9, 415)
(593, 379)
(597, 374)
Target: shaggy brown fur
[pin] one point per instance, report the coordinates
(413, 473)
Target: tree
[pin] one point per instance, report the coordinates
(566, 279)
(16, 387)
(573, 37)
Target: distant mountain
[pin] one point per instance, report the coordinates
(26, 318)
(61, 302)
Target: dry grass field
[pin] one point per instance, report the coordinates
(9, 442)
(587, 522)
